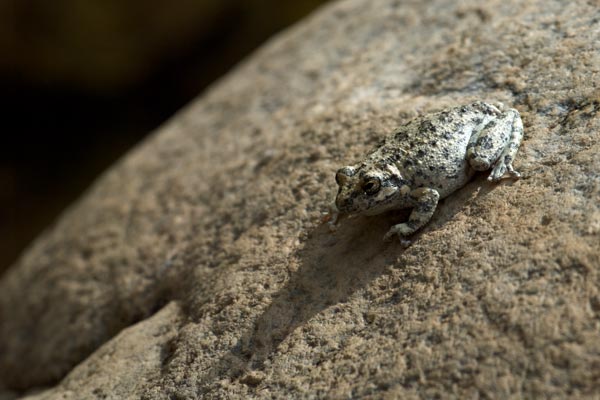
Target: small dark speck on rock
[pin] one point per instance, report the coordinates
(253, 378)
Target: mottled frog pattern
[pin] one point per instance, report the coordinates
(427, 159)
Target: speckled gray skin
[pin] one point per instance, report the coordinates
(427, 159)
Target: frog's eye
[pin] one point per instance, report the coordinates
(371, 185)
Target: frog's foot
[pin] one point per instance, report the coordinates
(503, 169)
(333, 217)
(332, 226)
(401, 230)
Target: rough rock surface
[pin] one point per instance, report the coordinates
(211, 233)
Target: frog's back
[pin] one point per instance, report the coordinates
(450, 129)
(430, 151)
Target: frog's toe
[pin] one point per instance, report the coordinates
(389, 235)
(512, 173)
(498, 172)
(401, 230)
(332, 227)
(502, 170)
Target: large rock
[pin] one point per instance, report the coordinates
(211, 233)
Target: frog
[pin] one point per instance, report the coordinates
(425, 160)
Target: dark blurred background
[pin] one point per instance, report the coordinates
(81, 82)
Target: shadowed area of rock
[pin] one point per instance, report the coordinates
(207, 243)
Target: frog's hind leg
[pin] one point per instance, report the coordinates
(496, 145)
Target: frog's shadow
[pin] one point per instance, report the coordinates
(478, 188)
(333, 266)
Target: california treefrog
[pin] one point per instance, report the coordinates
(428, 158)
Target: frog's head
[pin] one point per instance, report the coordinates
(368, 189)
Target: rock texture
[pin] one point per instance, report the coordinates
(211, 233)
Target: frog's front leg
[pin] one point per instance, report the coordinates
(334, 215)
(425, 200)
(496, 145)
